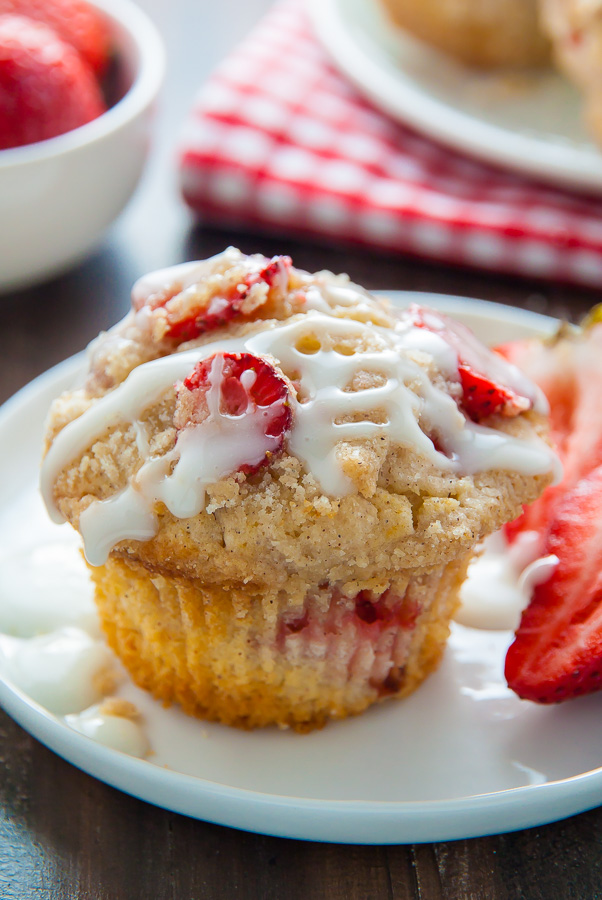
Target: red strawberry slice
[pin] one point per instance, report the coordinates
(45, 87)
(242, 386)
(557, 651)
(74, 21)
(195, 320)
(482, 397)
(275, 273)
(489, 385)
(186, 316)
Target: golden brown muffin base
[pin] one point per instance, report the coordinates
(215, 652)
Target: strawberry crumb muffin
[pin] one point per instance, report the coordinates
(279, 482)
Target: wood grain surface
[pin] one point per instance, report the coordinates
(63, 834)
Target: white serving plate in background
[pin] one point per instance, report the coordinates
(528, 123)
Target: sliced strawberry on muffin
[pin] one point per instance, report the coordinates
(483, 397)
(184, 311)
(243, 391)
(489, 385)
(46, 89)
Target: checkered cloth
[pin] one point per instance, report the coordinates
(278, 139)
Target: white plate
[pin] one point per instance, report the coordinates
(531, 124)
(461, 757)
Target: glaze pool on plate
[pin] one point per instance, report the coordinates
(461, 757)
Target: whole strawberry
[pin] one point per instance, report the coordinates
(75, 22)
(46, 88)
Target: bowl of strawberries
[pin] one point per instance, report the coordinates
(78, 83)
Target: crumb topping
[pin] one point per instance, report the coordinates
(378, 455)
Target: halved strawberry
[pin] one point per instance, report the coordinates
(557, 651)
(244, 387)
(75, 21)
(489, 385)
(185, 314)
(46, 89)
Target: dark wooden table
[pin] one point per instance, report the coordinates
(65, 835)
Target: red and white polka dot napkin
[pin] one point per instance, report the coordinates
(278, 139)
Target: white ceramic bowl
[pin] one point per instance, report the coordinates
(57, 197)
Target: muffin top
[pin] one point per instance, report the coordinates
(250, 422)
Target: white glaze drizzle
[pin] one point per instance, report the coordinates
(50, 639)
(326, 297)
(59, 670)
(113, 731)
(204, 454)
(500, 581)
(537, 572)
(144, 386)
(45, 586)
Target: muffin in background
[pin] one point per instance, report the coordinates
(482, 33)
(575, 30)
